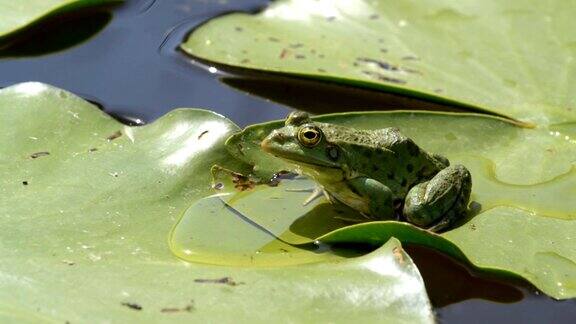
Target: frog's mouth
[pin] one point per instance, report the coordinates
(292, 156)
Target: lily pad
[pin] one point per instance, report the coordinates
(524, 182)
(16, 16)
(87, 204)
(465, 53)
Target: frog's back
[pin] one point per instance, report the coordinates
(386, 155)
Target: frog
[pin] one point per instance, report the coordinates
(380, 173)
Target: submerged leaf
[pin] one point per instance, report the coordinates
(465, 53)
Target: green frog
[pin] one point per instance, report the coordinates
(381, 173)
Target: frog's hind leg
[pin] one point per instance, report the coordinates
(437, 203)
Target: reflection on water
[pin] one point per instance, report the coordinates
(321, 98)
(449, 282)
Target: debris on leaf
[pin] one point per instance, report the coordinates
(225, 281)
(39, 154)
(133, 306)
(188, 309)
(114, 136)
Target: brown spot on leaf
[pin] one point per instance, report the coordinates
(384, 78)
(202, 134)
(224, 281)
(410, 58)
(187, 309)
(242, 182)
(397, 251)
(381, 64)
(285, 52)
(133, 306)
(114, 136)
(39, 154)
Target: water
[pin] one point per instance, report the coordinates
(132, 70)
(131, 67)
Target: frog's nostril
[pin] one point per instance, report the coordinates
(278, 137)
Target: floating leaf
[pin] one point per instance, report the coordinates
(524, 182)
(87, 204)
(16, 16)
(513, 58)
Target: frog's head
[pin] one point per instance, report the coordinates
(303, 142)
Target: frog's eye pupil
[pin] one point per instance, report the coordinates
(310, 135)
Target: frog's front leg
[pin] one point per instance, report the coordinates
(378, 196)
(441, 200)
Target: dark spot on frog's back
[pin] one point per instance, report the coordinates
(390, 176)
(404, 182)
(375, 168)
(421, 173)
(368, 153)
(413, 149)
(409, 167)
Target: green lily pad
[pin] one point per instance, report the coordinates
(466, 53)
(524, 182)
(87, 205)
(16, 16)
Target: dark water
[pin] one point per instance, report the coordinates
(132, 69)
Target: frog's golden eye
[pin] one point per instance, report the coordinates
(309, 136)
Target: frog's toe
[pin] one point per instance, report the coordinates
(441, 200)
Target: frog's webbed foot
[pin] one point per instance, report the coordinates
(437, 203)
